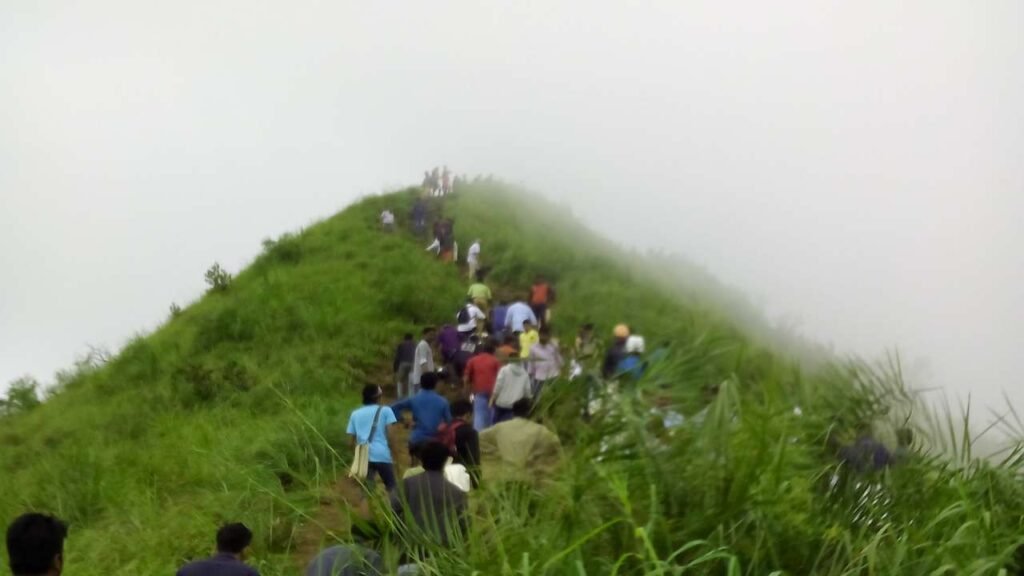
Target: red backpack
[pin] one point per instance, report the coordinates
(446, 434)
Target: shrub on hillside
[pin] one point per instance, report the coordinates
(285, 249)
(22, 396)
(175, 310)
(217, 278)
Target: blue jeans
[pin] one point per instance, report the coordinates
(482, 417)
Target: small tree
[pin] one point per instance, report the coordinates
(175, 310)
(217, 278)
(22, 396)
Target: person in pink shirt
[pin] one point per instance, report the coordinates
(545, 361)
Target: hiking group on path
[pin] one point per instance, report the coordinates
(493, 360)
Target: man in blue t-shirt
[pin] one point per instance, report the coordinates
(429, 409)
(361, 428)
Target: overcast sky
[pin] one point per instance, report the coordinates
(856, 166)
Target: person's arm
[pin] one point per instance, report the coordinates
(467, 374)
(499, 383)
(401, 406)
(447, 416)
(532, 317)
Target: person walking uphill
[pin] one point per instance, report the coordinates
(542, 295)
(545, 361)
(512, 385)
(429, 508)
(423, 360)
(519, 450)
(480, 376)
(473, 260)
(471, 319)
(429, 410)
(405, 356)
(517, 314)
(232, 542)
(369, 426)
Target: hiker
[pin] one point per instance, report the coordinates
(512, 385)
(435, 181)
(435, 247)
(450, 341)
(423, 360)
(427, 181)
(632, 364)
(516, 315)
(542, 295)
(585, 347)
(369, 425)
(498, 314)
(473, 261)
(479, 294)
(446, 182)
(232, 542)
(467, 350)
(866, 454)
(616, 352)
(346, 560)
(427, 503)
(527, 338)
(545, 361)
(429, 409)
(35, 545)
(509, 348)
(462, 440)
(405, 355)
(419, 216)
(387, 221)
(904, 451)
(470, 319)
(480, 375)
(519, 450)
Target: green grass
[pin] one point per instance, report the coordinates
(235, 409)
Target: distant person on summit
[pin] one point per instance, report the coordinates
(423, 359)
(35, 545)
(516, 315)
(232, 541)
(387, 221)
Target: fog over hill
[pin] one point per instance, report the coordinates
(854, 168)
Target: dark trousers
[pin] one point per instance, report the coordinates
(385, 470)
(502, 414)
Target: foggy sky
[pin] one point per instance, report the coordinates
(853, 167)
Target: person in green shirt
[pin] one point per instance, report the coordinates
(480, 294)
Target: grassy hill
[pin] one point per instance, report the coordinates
(235, 409)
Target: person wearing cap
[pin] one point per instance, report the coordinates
(616, 352)
(513, 384)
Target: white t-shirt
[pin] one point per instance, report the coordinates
(474, 315)
(473, 256)
(386, 217)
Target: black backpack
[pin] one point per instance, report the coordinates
(463, 317)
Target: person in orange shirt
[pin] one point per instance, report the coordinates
(542, 295)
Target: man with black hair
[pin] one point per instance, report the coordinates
(429, 409)
(35, 545)
(369, 425)
(466, 440)
(428, 503)
(232, 542)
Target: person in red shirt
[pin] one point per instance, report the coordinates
(480, 375)
(542, 295)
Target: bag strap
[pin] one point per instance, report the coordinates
(373, 429)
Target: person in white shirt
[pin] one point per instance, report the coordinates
(468, 319)
(423, 360)
(387, 220)
(473, 259)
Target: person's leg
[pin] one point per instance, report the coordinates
(481, 412)
(501, 414)
(386, 471)
(414, 385)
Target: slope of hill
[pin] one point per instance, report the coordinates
(235, 409)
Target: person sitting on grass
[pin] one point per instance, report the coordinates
(519, 450)
(232, 542)
(429, 409)
(35, 545)
(370, 424)
(428, 507)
